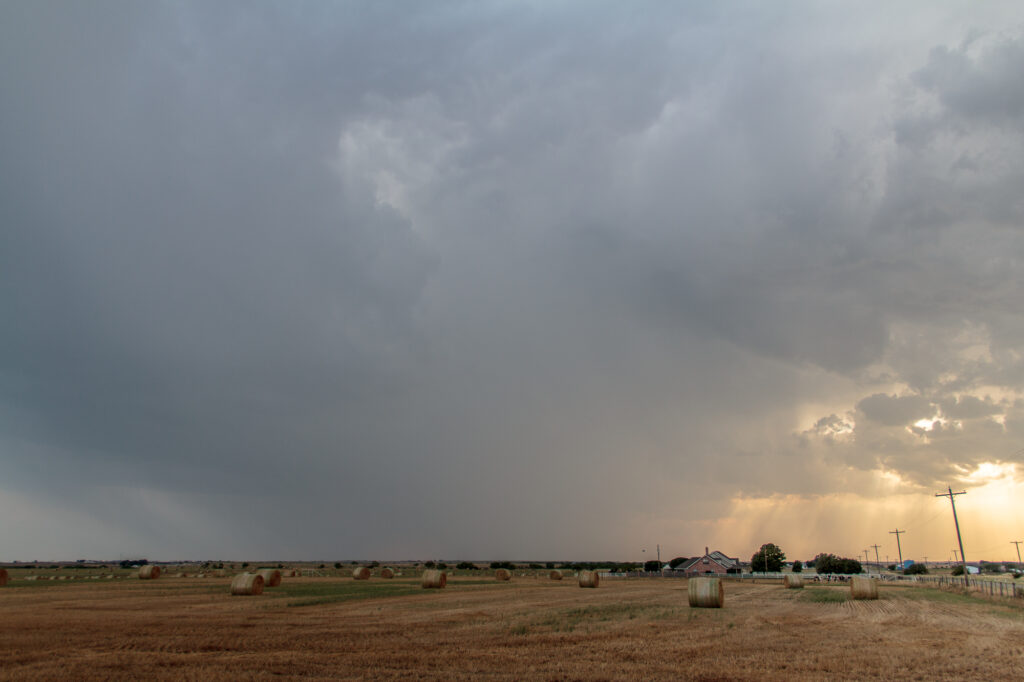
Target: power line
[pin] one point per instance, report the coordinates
(898, 548)
(952, 501)
(1016, 542)
(876, 552)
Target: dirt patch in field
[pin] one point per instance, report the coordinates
(642, 629)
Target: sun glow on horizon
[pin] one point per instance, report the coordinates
(844, 522)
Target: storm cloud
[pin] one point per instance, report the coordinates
(397, 280)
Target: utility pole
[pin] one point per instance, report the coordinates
(876, 556)
(1017, 542)
(866, 562)
(898, 548)
(956, 557)
(951, 495)
(659, 557)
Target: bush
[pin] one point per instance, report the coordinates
(549, 565)
(442, 565)
(915, 569)
(958, 570)
(429, 564)
(245, 564)
(337, 564)
(798, 567)
(467, 566)
(503, 564)
(652, 566)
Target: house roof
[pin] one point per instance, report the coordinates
(716, 556)
(724, 560)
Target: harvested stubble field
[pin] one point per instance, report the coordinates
(330, 628)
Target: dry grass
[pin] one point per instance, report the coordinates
(533, 629)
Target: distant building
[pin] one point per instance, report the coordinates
(712, 562)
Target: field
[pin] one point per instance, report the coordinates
(531, 628)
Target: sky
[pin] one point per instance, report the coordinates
(510, 280)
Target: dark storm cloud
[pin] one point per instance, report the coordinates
(404, 263)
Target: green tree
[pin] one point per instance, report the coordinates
(675, 562)
(768, 559)
(652, 566)
(830, 563)
(915, 569)
(798, 567)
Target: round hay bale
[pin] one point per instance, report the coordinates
(149, 572)
(863, 588)
(502, 574)
(589, 579)
(3, 577)
(555, 575)
(794, 582)
(247, 583)
(387, 573)
(271, 577)
(706, 593)
(434, 579)
(361, 573)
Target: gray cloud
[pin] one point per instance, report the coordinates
(894, 410)
(392, 267)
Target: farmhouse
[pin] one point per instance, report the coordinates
(712, 562)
